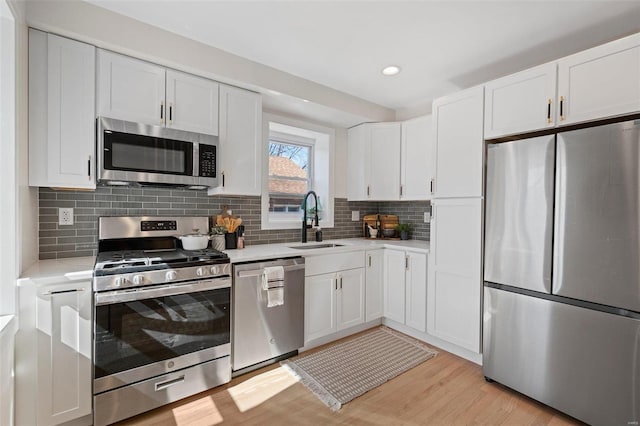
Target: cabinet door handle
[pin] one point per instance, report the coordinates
(161, 111)
(89, 167)
(368, 190)
(549, 111)
(369, 261)
(406, 262)
(336, 281)
(432, 181)
(170, 112)
(340, 283)
(223, 179)
(561, 107)
(401, 190)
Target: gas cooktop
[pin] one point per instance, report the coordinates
(124, 261)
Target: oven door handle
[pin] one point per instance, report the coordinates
(120, 296)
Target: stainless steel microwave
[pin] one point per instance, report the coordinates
(144, 154)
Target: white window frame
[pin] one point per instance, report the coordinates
(8, 230)
(322, 168)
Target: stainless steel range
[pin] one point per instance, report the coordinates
(161, 316)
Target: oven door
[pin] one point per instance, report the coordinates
(146, 332)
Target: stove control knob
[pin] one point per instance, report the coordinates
(119, 281)
(171, 275)
(138, 279)
(200, 272)
(215, 270)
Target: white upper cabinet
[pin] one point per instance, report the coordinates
(133, 90)
(454, 279)
(521, 102)
(458, 128)
(192, 103)
(600, 82)
(240, 142)
(373, 157)
(130, 89)
(416, 163)
(61, 112)
(384, 175)
(358, 159)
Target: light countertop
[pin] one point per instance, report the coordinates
(270, 251)
(56, 271)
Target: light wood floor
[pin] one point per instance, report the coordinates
(445, 390)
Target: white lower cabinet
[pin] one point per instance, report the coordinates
(405, 287)
(374, 274)
(334, 294)
(455, 279)
(53, 361)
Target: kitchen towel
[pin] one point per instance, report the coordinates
(273, 284)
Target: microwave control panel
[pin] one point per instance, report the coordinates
(207, 160)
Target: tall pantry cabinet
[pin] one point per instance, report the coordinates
(454, 274)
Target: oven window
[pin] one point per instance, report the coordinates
(133, 334)
(128, 152)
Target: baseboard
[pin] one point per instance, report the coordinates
(339, 335)
(432, 340)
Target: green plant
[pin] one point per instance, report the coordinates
(404, 227)
(219, 230)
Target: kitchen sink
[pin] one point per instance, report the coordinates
(316, 246)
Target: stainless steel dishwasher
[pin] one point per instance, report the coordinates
(268, 314)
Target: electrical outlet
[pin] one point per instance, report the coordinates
(427, 217)
(65, 216)
(355, 216)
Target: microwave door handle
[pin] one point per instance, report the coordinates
(196, 159)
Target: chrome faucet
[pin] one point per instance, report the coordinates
(304, 217)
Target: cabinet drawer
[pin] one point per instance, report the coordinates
(315, 265)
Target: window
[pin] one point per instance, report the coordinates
(290, 173)
(297, 161)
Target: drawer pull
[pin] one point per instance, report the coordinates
(163, 385)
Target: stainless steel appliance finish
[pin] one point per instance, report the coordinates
(165, 226)
(576, 344)
(582, 362)
(519, 215)
(261, 333)
(144, 153)
(162, 316)
(597, 242)
(161, 390)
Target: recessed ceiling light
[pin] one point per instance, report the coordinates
(391, 70)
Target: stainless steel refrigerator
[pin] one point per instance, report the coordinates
(561, 319)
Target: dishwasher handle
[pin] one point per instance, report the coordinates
(258, 272)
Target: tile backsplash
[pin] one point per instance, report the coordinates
(80, 239)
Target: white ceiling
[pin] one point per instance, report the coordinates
(441, 46)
